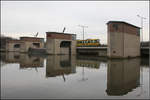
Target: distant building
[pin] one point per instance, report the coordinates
(31, 42)
(13, 45)
(24, 44)
(123, 40)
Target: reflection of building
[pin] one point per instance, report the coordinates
(12, 57)
(27, 61)
(91, 62)
(122, 76)
(88, 63)
(24, 60)
(59, 65)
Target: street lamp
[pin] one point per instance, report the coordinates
(141, 46)
(82, 26)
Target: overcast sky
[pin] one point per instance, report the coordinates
(25, 18)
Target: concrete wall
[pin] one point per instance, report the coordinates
(25, 43)
(73, 47)
(94, 51)
(131, 45)
(53, 46)
(115, 44)
(29, 44)
(10, 47)
(64, 50)
(123, 40)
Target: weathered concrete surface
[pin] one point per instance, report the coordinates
(55, 43)
(13, 45)
(123, 40)
(24, 44)
(28, 42)
(97, 51)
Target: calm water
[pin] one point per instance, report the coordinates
(63, 76)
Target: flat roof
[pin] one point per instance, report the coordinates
(60, 33)
(32, 37)
(122, 22)
(12, 41)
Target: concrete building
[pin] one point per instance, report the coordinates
(31, 42)
(60, 43)
(123, 40)
(24, 44)
(13, 45)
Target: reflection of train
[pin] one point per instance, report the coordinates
(88, 43)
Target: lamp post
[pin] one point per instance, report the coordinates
(82, 26)
(141, 26)
(141, 17)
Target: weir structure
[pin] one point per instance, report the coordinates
(123, 40)
(60, 43)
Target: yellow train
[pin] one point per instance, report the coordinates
(88, 43)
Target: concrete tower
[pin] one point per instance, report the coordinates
(123, 40)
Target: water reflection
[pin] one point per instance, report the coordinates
(12, 57)
(27, 61)
(122, 76)
(24, 60)
(101, 76)
(60, 65)
(90, 62)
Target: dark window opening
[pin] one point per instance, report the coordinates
(114, 51)
(36, 45)
(65, 63)
(16, 56)
(65, 44)
(17, 46)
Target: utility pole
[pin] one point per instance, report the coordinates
(141, 26)
(141, 17)
(82, 26)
